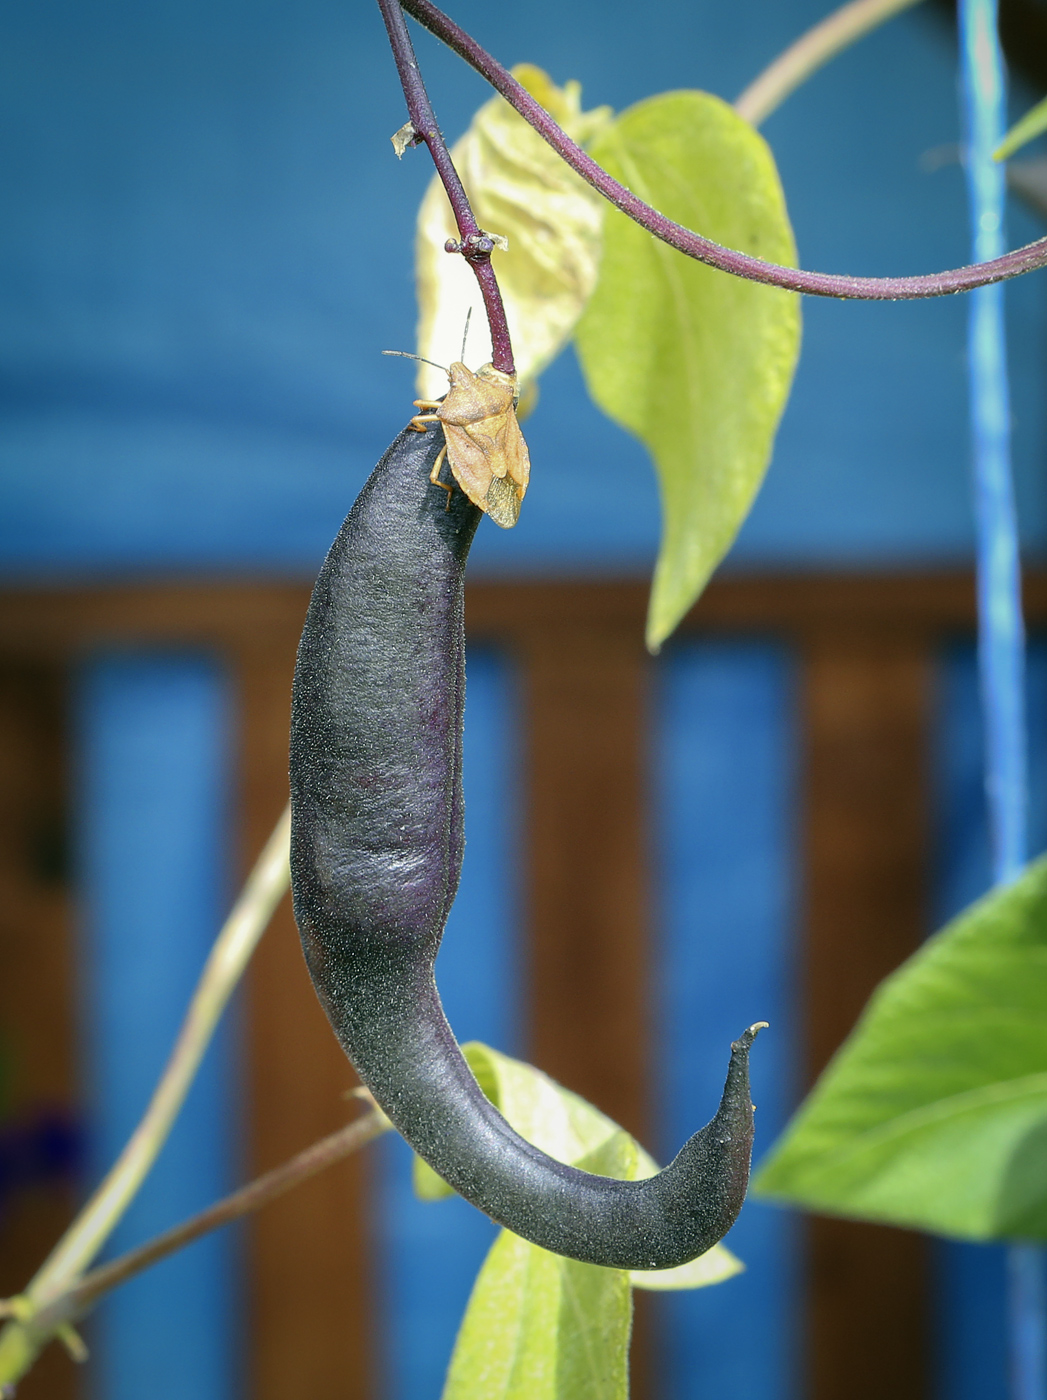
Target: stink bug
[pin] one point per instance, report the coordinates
(482, 440)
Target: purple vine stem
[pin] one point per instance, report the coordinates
(820, 284)
(475, 246)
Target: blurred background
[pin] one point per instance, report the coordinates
(206, 243)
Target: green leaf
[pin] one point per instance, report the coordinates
(1031, 125)
(934, 1112)
(716, 1265)
(521, 190)
(695, 363)
(540, 1327)
(427, 1185)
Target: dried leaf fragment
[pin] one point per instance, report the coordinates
(403, 138)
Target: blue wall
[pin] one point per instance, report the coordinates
(207, 242)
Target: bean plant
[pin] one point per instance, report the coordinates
(657, 241)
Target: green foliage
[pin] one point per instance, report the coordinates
(539, 1327)
(695, 363)
(934, 1112)
(1033, 124)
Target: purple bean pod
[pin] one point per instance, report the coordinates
(376, 854)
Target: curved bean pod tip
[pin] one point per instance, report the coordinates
(376, 852)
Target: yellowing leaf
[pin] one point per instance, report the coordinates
(521, 190)
(934, 1113)
(427, 1185)
(540, 1327)
(695, 363)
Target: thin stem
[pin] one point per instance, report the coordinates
(21, 1339)
(314, 1159)
(704, 250)
(475, 246)
(812, 51)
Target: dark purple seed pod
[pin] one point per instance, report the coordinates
(376, 853)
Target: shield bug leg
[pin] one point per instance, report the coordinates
(419, 420)
(434, 476)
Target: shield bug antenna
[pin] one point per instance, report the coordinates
(465, 332)
(406, 355)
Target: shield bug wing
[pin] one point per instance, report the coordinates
(509, 482)
(511, 464)
(517, 458)
(484, 446)
(469, 463)
(502, 502)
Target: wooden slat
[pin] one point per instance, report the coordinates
(866, 713)
(586, 874)
(311, 1325)
(587, 881)
(45, 622)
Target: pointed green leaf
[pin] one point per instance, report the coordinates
(695, 363)
(540, 1327)
(934, 1112)
(1033, 124)
(521, 190)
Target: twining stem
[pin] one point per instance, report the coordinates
(811, 51)
(476, 246)
(704, 250)
(314, 1159)
(21, 1339)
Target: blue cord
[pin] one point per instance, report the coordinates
(1001, 636)
(1001, 639)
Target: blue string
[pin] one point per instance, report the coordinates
(1001, 638)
